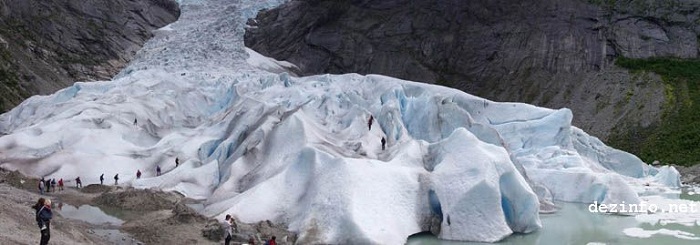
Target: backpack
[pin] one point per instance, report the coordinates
(39, 222)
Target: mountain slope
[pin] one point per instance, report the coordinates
(48, 45)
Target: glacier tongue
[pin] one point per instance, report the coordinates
(299, 151)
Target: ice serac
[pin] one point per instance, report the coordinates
(475, 180)
(302, 151)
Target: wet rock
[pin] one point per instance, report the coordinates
(95, 188)
(213, 231)
(184, 214)
(135, 199)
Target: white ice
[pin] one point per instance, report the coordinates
(269, 146)
(642, 233)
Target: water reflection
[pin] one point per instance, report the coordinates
(87, 213)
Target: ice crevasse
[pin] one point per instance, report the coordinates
(299, 151)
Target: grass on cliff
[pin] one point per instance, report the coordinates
(676, 139)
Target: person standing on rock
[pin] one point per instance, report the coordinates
(41, 186)
(78, 183)
(116, 179)
(228, 230)
(47, 183)
(43, 219)
(102, 179)
(60, 184)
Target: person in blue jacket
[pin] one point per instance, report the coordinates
(43, 219)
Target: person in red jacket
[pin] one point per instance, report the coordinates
(60, 184)
(272, 241)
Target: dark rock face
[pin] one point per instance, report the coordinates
(553, 53)
(48, 45)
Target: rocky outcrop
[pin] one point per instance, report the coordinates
(552, 53)
(48, 45)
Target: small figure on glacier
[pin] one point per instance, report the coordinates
(158, 170)
(78, 183)
(102, 179)
(369, 124)
(116, 179)
(135, 121)
(177, 162)
(138, 173)
(383, 143)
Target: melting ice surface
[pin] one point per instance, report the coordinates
(264, 145)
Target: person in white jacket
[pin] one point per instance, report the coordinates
(228, 229)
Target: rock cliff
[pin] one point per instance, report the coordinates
(48, 45)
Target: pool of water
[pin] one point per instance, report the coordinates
(107, 226)
(574, 224)
(87, 213)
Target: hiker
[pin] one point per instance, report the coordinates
(43, 219)
(116, 179)
(138, 173)
(369, 124)
(47, 185)
(102, 179)
(177, 162)
(272, 241)
(60, 184)
(41, 186)
(383, 143)
(157, 170)
(228, 230)
(78, 183)
(135, 121)
(53, 184)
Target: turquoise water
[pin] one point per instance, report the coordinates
(575, 225)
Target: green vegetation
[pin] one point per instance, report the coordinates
(677, 138)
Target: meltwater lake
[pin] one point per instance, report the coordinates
(574, 224)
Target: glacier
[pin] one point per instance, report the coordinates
(262, 144)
